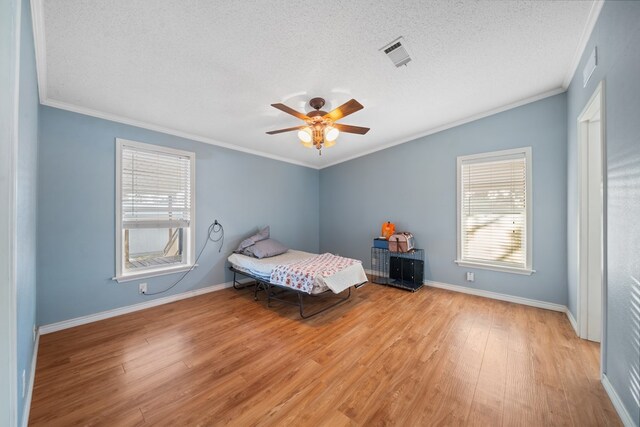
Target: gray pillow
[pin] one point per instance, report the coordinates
(265, 249)
(260, 235)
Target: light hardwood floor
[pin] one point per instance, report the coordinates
(386, 357)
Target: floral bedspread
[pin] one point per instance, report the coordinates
(301, 275)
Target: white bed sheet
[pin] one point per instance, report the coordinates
(262, 268)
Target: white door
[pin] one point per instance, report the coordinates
(594, 267)
(591, 214)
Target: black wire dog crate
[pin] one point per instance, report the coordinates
(403, 270)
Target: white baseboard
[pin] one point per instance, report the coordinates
(498, 296)
(617, 403)
(573, 322)
(66, 324)
(32, 378)
(492, 295)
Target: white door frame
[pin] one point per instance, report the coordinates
(8, 189)
(595, 103)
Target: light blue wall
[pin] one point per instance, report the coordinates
(8, 87)
(26, 202)
(617, 37)
(76, 211)
(414, 185)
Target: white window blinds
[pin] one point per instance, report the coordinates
(156, 189)
(493, 205)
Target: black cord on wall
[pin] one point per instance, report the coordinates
(215, 229)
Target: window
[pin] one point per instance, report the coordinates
(494, 211)
(154, 210)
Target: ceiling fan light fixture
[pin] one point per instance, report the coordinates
(331, 133)
(319, 130)
(305, 135)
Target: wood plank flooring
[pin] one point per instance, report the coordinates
(385, 357)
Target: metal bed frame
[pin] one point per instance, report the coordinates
(270, 289)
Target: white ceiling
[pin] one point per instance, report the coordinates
(209, 69)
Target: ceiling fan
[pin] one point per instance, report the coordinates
(320, 129)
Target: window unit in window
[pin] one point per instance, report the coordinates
(494, 211)
(154, 210)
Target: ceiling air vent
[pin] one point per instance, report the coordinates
(397, 52)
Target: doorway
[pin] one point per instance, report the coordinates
(591, 229)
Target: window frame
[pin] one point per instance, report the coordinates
(489, 157)
(121, 274)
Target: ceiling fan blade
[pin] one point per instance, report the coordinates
(290, 110)
(344, 110)
(273, 132)
(350, 129)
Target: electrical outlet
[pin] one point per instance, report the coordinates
(142, 288)
(24, 382)
(470, 276)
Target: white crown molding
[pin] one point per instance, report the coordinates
(40, 42)
(594, 13)
(132, 122)
(617, 403)
(169, 131)
(32, 378)
(83, 320)
(497, 296)
(452, 125)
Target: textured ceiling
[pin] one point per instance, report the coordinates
(210, 69)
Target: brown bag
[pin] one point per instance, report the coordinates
(401, 242)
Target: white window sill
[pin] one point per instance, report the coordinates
(152, 273)
(504, 269)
